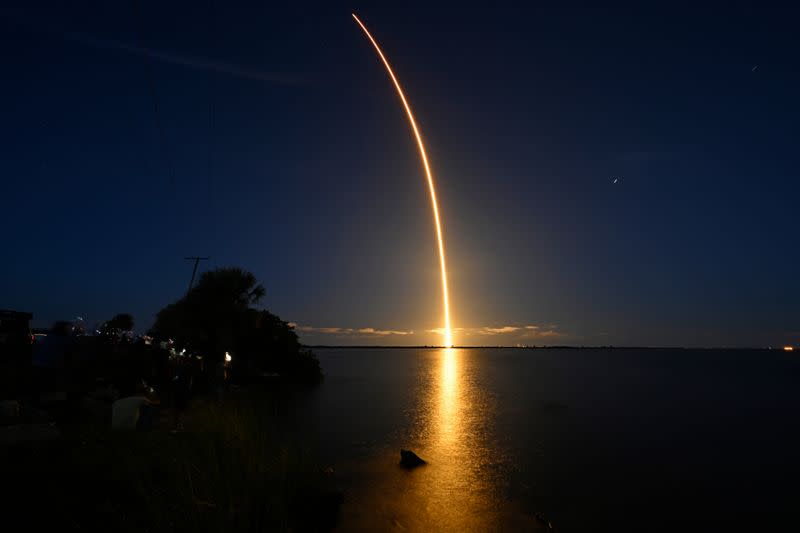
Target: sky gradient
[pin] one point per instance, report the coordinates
(279, 146)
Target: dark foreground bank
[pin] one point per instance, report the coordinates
(233, 468)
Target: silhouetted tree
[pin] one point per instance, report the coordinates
(122, 321)
(266, 341)
(118, 328)
(216, 316)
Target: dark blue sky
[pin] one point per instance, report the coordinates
(306, 172)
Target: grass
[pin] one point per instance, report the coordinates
(233, 470)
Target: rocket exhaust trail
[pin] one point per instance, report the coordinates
(448, 335)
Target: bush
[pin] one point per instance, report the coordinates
(217, 316)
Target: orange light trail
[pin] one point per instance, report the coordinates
(448, 332)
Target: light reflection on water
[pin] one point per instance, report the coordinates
(458, 489)
(596, 439)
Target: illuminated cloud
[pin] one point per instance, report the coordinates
(540, 334)
(529, 331)
(328, 331)
(500, 330)
(373, 331)
(511, 334)
(350, 332)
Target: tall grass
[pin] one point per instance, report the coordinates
(234, 470)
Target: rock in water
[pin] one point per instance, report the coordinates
(409, 459)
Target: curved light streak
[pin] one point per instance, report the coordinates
(448, 333)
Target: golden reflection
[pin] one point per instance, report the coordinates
(458, 490)
(457, 494)
(449, 404)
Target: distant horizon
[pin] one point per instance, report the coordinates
(92, 323)
(548, 347)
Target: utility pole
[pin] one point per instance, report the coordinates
(194, 270)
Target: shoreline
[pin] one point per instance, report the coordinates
(559, 347)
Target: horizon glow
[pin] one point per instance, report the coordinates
(448, 332)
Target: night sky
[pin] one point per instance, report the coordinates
(279, 146)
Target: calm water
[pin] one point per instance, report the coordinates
(596, 440)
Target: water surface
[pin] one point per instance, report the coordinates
(595, 440)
